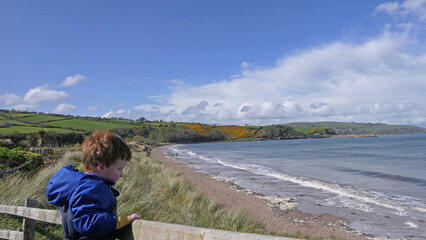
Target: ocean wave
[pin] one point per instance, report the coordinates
(192, 153)
(393, 177)
(363, 195)
(411, 225)
(182, 153)
(401, 204)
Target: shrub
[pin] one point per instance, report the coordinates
(19, 155)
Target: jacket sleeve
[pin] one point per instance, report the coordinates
(93, 207)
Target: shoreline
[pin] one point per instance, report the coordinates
(277, 215)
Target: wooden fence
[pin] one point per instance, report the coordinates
(140, 229)
(42, 151)
(8, 172)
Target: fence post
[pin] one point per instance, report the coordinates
(29, 225)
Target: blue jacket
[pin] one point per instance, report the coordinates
(88, 205)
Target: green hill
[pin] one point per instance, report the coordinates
(12, 122)
(26, 122)
(358, 128)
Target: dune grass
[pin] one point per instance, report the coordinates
(15, 189)
(147, 188)
(160, 194)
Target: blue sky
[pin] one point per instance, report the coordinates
(228, 62)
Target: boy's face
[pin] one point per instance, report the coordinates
(113, 172)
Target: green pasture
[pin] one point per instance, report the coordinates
(308, 130)
(118, 121)
(7, 122)
(86, 125)
(18, 114)
(42, 118)
(302, 125)
(30, 129)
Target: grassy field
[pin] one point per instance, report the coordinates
(11, 122)
(310, 129)
(118, 121)
(27, 123)
(33, 122)
(86, 125)
(30, 129)
(20, 114)
(34, 119)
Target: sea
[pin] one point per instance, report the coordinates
(377, 183)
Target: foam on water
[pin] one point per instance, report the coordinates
(355, 181)
(411, 225)
(350, 193)
(349, 203)
(346, 191)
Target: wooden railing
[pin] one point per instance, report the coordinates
(140, 229)
(30, 214)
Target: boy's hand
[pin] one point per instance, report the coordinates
(134, 216)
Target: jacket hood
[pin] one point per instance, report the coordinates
(62, 184)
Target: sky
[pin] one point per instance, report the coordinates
(219, 62)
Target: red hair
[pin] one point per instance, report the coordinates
(104, 147)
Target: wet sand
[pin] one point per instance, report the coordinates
(275, 216)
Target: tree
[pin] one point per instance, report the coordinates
(41, 134)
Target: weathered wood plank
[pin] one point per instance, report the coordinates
(144, 230)
(50, 216)
(140, 229)
(29, 225)
(13, 235)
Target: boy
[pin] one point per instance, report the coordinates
(87, 200)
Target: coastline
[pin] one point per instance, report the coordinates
(277, 215)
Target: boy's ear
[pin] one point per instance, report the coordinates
(100, 167)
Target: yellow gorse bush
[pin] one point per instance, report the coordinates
(313, 131)
(229, 131)
(202, 129)
(234, 131)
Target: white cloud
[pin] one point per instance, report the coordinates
(25, 107)
(10, 99)
(245, 65)
(124, 113)
(414, 8)
(42, 94)
(108, 114)
(320, 109)
(119, 114)
(388, 7)
(38, 98)
(157, 112)
(375, 81)
(195, 109)
(64, 108)
(92, 109)
(72, 80)
(41, 98)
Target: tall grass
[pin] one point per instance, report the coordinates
(14, 190)
(147, 188)
(160, 194)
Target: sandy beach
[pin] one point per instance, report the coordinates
(277, 215)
